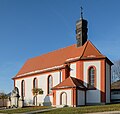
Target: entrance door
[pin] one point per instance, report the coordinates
(63, 99)
(35, 100)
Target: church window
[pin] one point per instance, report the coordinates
(35, 83)
(91, 79)
(50, 82)
(22, 88)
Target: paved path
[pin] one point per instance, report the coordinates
(39, 111)
(108, 112)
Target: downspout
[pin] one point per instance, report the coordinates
(73, 97)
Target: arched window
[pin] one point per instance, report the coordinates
(35, 83)
(50, 82)
(91, 80)
(23, 88)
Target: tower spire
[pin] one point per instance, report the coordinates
(81, 30)
(81, 12)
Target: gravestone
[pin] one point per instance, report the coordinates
(14, 98)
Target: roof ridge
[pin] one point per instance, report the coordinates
(62, 81)
(74, 82)
(71, 78)
(95, 47)
(89, 43)
(78, 81)
(84, 48)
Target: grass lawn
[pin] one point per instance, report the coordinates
(22, 110)
(67, 110)
(85, 109)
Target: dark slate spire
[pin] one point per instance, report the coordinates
(81, 30)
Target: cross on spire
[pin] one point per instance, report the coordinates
(81, 12)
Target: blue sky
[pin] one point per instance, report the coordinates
(29, 28)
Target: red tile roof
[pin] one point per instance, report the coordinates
(70, 82)
(58, 57)
(91, 51)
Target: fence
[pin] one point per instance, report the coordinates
(3, 103)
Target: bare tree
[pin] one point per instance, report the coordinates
(3, 96)
(115, 72)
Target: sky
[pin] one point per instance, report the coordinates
(29, 28)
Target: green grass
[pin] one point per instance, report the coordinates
(85, 109)
(22, 110)
(67, 110)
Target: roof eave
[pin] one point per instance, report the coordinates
(33, 73)
(57, 88)
(97, 58)
(54, 88)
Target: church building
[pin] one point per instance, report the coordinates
(71, 76)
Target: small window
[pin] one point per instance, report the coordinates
(50, 82)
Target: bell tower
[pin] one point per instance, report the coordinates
(81, 30)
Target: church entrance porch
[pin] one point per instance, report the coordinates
(70, 92)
